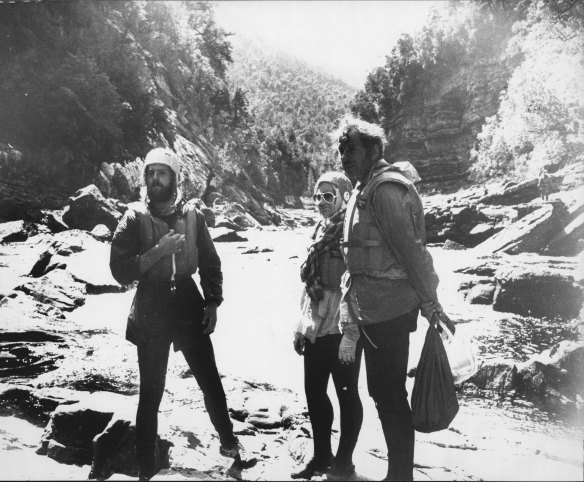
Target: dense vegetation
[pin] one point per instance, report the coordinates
(86, 82)
(82, 82)
(540, 119)
(294, 108)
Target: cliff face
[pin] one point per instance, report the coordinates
(437, 128)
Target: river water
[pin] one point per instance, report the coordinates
(253, 341)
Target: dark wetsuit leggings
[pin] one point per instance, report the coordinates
(386, 364)
(321, 360)
(153, 361)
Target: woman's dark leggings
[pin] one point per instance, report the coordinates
(153, 361)
(321, 360)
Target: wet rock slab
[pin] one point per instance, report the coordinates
(527, 284)
(530, 234)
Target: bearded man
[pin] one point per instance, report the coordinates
(162, 242)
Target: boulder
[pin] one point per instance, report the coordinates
(481, 294)
(275, 216)
(57, 289)
(69, 435)
(271, 409)
(226, 235)
(569, 241)
(530, 234)
(514, 193)
(120, 180)
(17, 231)
(482, 232)
(83, 256)
(102, 233)
(457, 222)
(482, 268)
(114, 451)
(246, 221)
(539, 291)
(29, 353)
(209, 216)
(53, 220)
(497, 375)
(452, 245)
(237, 214)
(224, 222)
(103, 183)
(554, 377)
(43, 265)
(88, 208)
(70, 242)
(29, 403)
(559, 368)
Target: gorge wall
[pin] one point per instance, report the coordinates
(437, 128)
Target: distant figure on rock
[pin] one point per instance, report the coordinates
(161, 242)
(544, 183)
(318, 337)
(390, 277)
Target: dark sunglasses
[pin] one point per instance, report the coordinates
(328, 197)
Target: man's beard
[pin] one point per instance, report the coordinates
(161, 195)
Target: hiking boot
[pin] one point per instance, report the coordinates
(237, 452)
(313, 467)
(340, 471)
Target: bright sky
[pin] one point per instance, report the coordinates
(346, 38)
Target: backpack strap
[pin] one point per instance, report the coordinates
(145, 222)
(387, 174)
(191, 228)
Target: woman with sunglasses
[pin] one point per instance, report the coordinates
(318, 337)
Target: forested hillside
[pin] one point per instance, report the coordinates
(294, 107)
(486, 88)
(87, 83)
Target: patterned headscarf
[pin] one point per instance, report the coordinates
(331, 238)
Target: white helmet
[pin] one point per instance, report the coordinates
(162, 155)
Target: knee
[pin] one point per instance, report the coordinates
(151, 394)
(348, 394)
(390, 400)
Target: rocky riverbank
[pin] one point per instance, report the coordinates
(69, 382)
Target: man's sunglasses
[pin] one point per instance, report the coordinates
(328, 197)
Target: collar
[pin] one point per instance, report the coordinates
(380, 164)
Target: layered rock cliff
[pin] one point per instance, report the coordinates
(437, 128)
